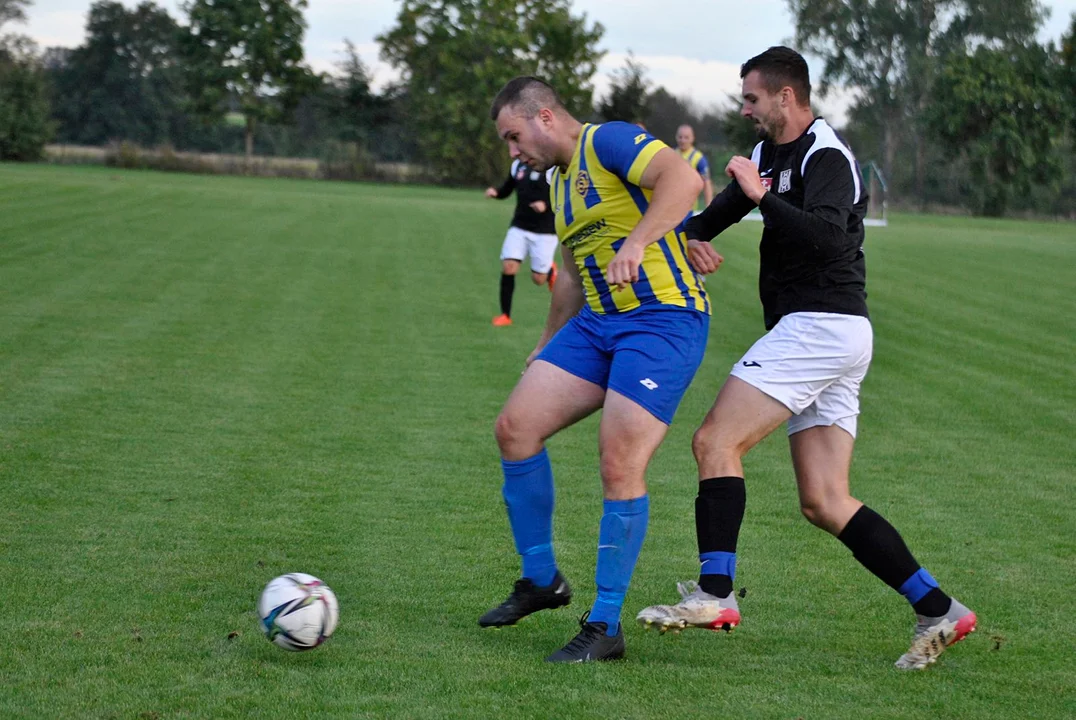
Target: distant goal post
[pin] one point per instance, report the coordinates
(876, 186)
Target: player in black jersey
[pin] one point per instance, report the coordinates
(532, 233)
(807, 369)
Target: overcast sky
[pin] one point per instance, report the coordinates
(692, 47)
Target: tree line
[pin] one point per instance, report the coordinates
(956, 100)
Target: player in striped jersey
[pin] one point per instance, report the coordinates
(685, 142)
(626, 332)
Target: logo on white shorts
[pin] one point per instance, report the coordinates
(648, 384)
(751, 363)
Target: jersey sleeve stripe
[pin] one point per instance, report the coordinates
(642, 160)
(826, 137)
(638, 197)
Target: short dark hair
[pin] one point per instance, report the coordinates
(781, 67)
(526, 94)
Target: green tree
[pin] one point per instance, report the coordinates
(13, 11)
(250, 51)
(353, 104)
(1068, 68)
(1000, 109)
(667, 112)
(741, 133)
(24, 103)
(125, 82)
(454, 55)
(629, 93)
(889, 49)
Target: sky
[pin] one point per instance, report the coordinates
(692, 47)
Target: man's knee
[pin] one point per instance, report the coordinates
(613, 468)
(710, 445)
(539, 278)
(830, 513)
(624, 474)
(621, 470)
(814, 512)
(507, 431)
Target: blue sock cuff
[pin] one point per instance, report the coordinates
(627, 507)
(918, 585)
(718, 563)
(516, 468)
(608, 611)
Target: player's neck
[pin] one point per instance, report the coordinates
(569, 141)
(800, 120)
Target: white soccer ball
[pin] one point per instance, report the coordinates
(298, 611)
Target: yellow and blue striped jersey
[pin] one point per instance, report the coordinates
(697, 161)
(598, 201)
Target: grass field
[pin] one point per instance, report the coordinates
(207, 382)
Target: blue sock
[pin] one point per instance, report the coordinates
(917, 586)
(528, 496)
(620, 539)
(718, 563)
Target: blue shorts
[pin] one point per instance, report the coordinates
(649, 355)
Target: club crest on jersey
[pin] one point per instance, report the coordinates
(767, 183)
(785, 183)
(582, 182)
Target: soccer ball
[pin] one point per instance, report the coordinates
(298, 611)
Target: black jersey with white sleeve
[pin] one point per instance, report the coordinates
(530, 185)
(811, 254)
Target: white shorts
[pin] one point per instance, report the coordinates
(541, 248)
(813, 364)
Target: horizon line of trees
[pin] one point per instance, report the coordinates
(957, 101)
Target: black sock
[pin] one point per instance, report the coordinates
(879, 547)
(719, 510)
(508, 286)
(934, 604)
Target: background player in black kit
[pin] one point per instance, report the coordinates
(532, 233)
(807, 369)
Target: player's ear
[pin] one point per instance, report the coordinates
(545, 117)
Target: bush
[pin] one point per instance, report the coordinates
(346, 161)
(343, 161)
(124, 155)
(165, 158)
(24, 109)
